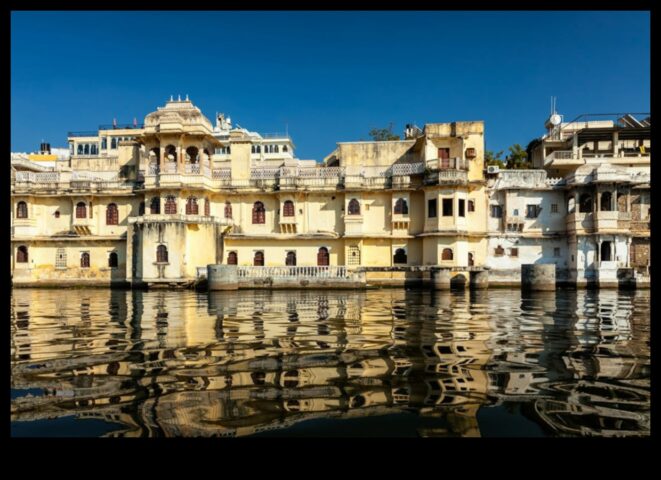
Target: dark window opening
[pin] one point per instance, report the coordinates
(258, 213)
(400, 256)
(431, 208)
(447, 207)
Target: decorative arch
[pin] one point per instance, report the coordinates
(232, 258)
(22, 254)
(290, 259)
(354, 207)
(401, 207)
(21, 210)
(113, 260)
(447, 254)
(81, 210)
(112, 214)
(288, 209)
(191, 206)
(400, 256)
(162, 254)
(170, 205)
(258, 259)
(258, 213)
(323, 257)
(192, 155)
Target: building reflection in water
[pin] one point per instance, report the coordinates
(165, 363)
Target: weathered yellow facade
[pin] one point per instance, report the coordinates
(212, 195)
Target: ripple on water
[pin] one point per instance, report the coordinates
(173, 363)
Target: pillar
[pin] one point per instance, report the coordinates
(599, 252)
(222, 277)
(616, 147)
(538, 277)
(479, 279)
(440, 278)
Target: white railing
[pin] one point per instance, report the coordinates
(193, 168)
(38, 177)
(560, 155)
(264, 173)
(408, 168)
(170, 167)
(221, 174)
(154, 169)
(296, 272)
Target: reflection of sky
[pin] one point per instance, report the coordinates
(241, 362)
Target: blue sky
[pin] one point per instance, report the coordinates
(327, 76)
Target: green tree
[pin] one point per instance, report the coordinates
(492, 158)
(380, 134)
(517, 158)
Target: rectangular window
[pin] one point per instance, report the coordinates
(532, 211)
(447, 207)
(554, 208)
(61, 258)
(444, 153)
(496, 211)
(514, 252)
(515, 213)
(431, 208)
(471, 206)
(556, 252)
(462, 208)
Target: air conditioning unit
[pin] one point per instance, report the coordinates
(493, 169)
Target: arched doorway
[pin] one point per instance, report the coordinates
(258, 260)
(192, 155)
(606, 251)
(232, 258)
(323, 257)
(290, 260)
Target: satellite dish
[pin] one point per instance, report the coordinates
(555, 119)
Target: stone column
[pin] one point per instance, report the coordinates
(628, 252)
(538, 277)
(479, 279)
(440, 278)
(616, 147)
(599, 252)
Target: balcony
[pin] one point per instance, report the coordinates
(604, 220)
(446, 177)
(580, 222)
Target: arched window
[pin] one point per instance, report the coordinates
(81, 210)
(207, 207)
(22, 254)
(401, 207)
(323, 259)
(85, 260)
(228, 210)
(192, 154)
(112, 214)
(585, 203)
(258, 213)
(288, 209)
(57, 214)
(191, 206)
(86, 149)
(22, 210)
(155, 206)
(606, 200)
(112, 260)
(232, 258)
(171, 150)
(113, 143)
(354, 207)
(471, 260)
(170, 205)
(94, 149)
(162, 254)
(447, 254)
(400, 256)
(290, 260)
(258, 260)
(157, 153)
(571, 204)
(277, 149)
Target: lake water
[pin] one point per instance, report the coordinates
(390, 362)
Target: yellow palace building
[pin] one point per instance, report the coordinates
(155, 203)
